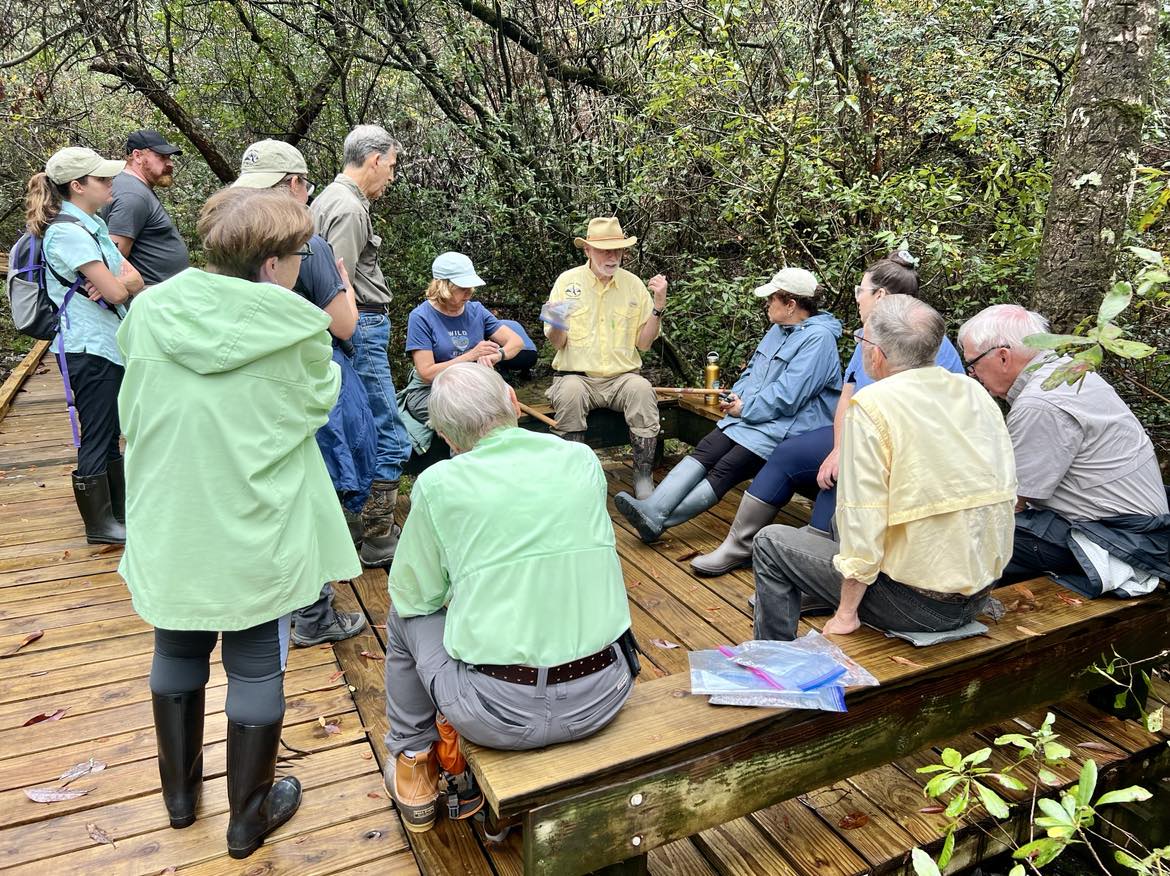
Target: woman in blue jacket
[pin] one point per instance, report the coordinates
(810, 458)
(790, 386)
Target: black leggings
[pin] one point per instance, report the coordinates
(253, 660)
(95, 381)
(727, 463)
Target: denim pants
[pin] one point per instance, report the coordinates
(422, 678)
(254, 660)
(370, 340)
(789, 562)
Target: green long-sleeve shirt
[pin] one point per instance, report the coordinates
(514, 538)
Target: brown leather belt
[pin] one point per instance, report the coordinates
(519, 674)
(938, 596)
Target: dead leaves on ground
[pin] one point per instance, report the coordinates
(853, 820)
(663, 643)
(99, 836)
(55, 795)
(45, 716)
(906, 661)
(82, 769)
(327, 728)
(27, 640)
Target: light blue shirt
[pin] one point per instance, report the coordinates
(791, 385)
(947, 358)
(86, 326)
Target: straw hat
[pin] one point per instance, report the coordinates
(605, 233)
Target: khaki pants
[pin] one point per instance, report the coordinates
(573, 396)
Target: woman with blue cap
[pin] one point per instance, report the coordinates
(450, 327)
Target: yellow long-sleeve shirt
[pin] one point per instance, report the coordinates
(927, 484)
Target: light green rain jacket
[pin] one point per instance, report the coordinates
(231, 518)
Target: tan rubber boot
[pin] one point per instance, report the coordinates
(413, 785)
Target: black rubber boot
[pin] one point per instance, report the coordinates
(574, 437)
(178, 729)
(92, 495)
(380, 532)
(256, 804)
(116, 478)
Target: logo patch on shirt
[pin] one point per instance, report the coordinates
(459, 340)
(573, 291)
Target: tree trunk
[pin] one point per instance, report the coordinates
(1093, 171)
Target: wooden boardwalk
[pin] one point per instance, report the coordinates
(94, 657)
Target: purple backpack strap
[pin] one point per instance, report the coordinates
(62, 364)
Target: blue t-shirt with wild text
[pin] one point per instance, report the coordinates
(448, 336)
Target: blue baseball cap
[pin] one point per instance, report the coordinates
(457, 268)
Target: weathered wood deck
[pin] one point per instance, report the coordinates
(94, 657)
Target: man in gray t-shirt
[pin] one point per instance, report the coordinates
(139, 225)
(1082, 457)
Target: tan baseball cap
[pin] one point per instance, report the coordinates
(268, 162)
(74, 162)
(794, 281)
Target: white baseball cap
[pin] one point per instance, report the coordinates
(794, 281)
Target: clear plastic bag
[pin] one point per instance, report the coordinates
(762, 654)
(830, 698)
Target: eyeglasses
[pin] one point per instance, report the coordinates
(304, 252)
(309, 187)
(873, 344)
(969, 367)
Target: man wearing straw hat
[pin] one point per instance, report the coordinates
(598, 317)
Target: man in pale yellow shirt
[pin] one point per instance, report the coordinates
(598, 317)
(925, 497)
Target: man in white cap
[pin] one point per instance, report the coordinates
(598, 317)
(323, 282)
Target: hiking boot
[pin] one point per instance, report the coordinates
(413, 785)
(644, 450)
(257, 805)
(379, 531)
(92, 495)
(178, 730)
(344, 625)
(461, 794)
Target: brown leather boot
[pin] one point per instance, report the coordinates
(413, 785)
(380, 532)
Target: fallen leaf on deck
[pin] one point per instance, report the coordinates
(109, 549)
(714, 609)
(326, 647)
(370, 656)
(853, 820)
(54, 795)
(689, 555)
(379, 626)
(300, 840)
(82, 769)
(1026, 593)
(662, 643)
(98, 835)
(328, 728)
(932, 810)
(1068, 599)
(170, 869)
(1027, 631)
(374, 795)
(27, 640)
(367, 756)
(906, 661)
(1095, 746)
(40, 484)
(45, 716)
(65, 555)
(337, 675)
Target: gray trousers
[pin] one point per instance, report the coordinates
(422, 678)
(312, 619)
(789, 562)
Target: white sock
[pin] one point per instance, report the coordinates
(410, 753)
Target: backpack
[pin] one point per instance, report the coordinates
(33, 311)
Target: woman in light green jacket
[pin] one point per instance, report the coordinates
(233, 517)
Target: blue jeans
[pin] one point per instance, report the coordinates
(795, 463)
(370, 339)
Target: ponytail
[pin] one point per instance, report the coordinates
(43, 202)
(896, 273)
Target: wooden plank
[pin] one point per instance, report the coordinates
(680, 858)
(796, 753)
(860, 822)
(73, 599)
(19, 375)
(57, 620)
(66, 636)
(807, 841)
(738, 847)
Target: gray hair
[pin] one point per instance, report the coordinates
(908, 330)
(468, 401)
(366, 140)
(1002, 325)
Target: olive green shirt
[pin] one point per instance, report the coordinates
(342, 216)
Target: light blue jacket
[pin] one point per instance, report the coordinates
(791, 385)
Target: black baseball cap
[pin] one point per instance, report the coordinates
(152, 140)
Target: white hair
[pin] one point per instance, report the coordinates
(468, 401)
(908, 330)
(1002, 325)
(366, 140)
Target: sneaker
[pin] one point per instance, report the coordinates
(344, 625)
(413, 785)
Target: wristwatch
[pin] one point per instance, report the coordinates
(657, 311)
(502, 356)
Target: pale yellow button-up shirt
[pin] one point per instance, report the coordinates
(928, 484)
(603, 329)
